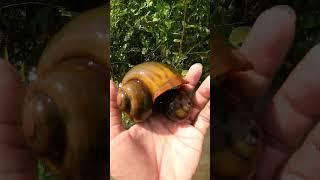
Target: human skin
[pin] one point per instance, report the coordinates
(15, 160)
(290, 119)
(159, 148)
(292, 134)
(130, 147)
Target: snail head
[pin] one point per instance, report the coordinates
(179, 107)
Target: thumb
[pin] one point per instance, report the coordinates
(116, 126)
(16, 162)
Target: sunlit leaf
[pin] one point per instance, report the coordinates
(184, 72)
(238, 35)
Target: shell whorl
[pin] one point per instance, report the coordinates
(79, 120)
(73, 72)
(143, 84)
(84, 36)
(156, 76)
(135, 99)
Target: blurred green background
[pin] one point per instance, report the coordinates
(25, 29)
(172, 32)
(234, 17)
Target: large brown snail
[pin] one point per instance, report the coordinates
(237, 138)
(151, 83)
(65, 110)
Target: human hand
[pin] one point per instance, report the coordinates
(159, 148)
(15, 161)
(292, 135)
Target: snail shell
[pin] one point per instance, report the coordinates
(144, 83)
(237, 139)
(64, 113)
(225, 59)
(236, 143)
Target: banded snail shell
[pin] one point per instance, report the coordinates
(144, 83)
(238, 138)
(64, 112)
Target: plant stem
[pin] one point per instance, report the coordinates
(183, 26)
(26, 3)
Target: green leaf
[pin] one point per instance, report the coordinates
(190, 26)
(5, 54)
(168, 24)
(149, 3)
(144, 50)
(184, 72)
(238, 35)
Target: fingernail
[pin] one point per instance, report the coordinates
(284, 8)
(198, 64)
(291, 177)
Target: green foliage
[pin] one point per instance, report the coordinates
(173, 32)
(43, 172)
(238, 35)
(227, 16)
(25, 28)
(127, 122)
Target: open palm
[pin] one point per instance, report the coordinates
(159, 148)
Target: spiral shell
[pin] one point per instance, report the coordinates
(143, 84)
(157, 76)
(238, 138)
(225, 59)
(64, 113)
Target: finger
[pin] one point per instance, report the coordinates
(270, 39)
(266, 46)
(200, 99)
(16, 161)
(116, 126)
(193, 76)
(293, 112)
(203, 120)
(305, 164)
(11, 92)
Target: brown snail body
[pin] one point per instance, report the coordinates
(65, 108)
(237, 139)
(144, 83)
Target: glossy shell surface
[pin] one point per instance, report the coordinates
(158, 77)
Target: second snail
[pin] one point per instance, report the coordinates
(237, 137)
(154, 87)
(64, 112)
